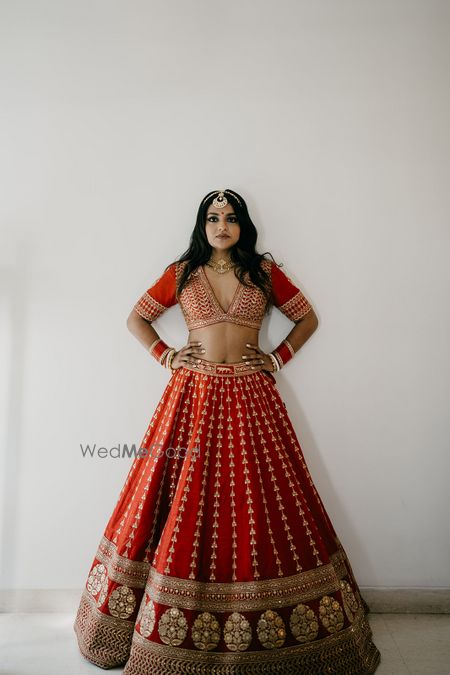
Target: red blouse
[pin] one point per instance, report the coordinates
(200, 306)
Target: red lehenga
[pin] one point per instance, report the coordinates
(219, 556)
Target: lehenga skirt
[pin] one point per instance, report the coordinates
(219, 556)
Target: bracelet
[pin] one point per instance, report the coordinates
(160, 350)
(273, 358)
(169, 359)
(283, 353)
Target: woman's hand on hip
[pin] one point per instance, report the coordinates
(258, 359)
(187, 354)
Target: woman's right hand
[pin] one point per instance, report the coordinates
(187, 354)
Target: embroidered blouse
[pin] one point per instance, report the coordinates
(201, 308)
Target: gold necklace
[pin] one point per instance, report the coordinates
(221, 266)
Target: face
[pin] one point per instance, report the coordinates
(222, 227)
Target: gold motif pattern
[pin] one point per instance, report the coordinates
(246, 595)
(149, 308)
(146, 618)
(275, 486)
(247, 482)
(330, 613)
(348, 651)
(232, 482)
(296, 308)
(102, 639)
(200, 307)
(263, 435)
(172, 627)
(201, 504)
(237, 632)
(271, 630)
(122, 602)
(243, 397)
(217, 474)
(303, 623)
(206, 631)
(186, 486)
(268, 416)
(350, 602)
(97, 583)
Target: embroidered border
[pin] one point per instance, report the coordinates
(347, 651)
(296, 308)
(148, 307)
(241, 595)
(102, 639)
(247, 595)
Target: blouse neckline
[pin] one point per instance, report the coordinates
(213, 297)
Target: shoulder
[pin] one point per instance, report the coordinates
(272, 268)
(266, 264)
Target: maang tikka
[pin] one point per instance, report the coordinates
(220, 201)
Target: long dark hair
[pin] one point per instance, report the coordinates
(243, 253)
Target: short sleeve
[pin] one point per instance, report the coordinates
(288, 298)
(159, 297)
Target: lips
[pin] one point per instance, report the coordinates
(222, 236)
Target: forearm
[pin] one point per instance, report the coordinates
(302, 331)
(142, 330)
(297, 337)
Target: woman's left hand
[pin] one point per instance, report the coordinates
(258, 359)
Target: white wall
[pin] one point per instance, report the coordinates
(331, 119)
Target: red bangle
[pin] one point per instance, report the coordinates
(284, 352)
(159, 350)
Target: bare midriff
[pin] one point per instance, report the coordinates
(225, 342)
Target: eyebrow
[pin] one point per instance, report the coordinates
(214, 213)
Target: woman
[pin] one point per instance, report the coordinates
(219, 556)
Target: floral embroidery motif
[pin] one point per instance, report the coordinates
(206, 631)
(146, 618)
(237, 632)
(172, 627)
(351, 604)
(122, 602)
(331, 614)
(97, 583)
(271, 630)
(303, 623)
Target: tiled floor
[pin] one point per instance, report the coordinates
(45, 644)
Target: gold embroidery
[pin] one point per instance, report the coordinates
(237, 632)
(146, 618)
(254, 448)
(172, 627)
(350, 602)
(102, 639)
(272, 405)
(206, 631)
(122, 602)
(148, 307)
(246, 595)
(303, 623)
(97, 583)
(200, 307)
(348, 651)
(273, 479)
(331, 614)
(271, 630)
(247, 482)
